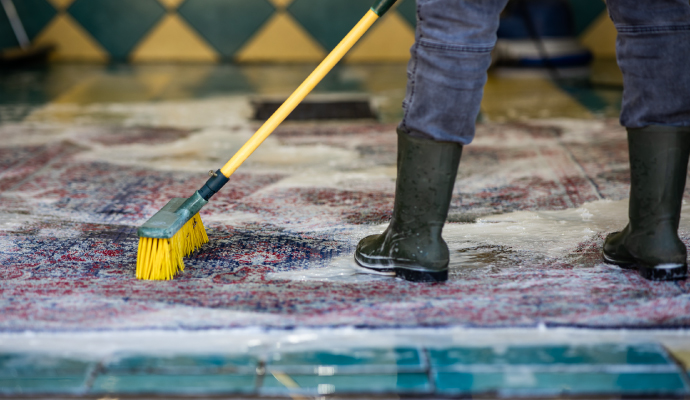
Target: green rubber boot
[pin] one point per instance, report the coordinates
(412, 247)
(658, 168)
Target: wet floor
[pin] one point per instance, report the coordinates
(509, 95)
(90, 152)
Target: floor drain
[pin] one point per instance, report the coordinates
(317, 109)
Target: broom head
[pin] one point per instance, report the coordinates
(172, 233)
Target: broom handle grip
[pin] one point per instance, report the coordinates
(303, 90)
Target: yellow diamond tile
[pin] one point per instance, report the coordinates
(171, 4)
(187, 79)
(281, 39)
(281, 3)
(389, 40)
(61, 4)
(523, 97)
(73, 42)
(600, 37)
(143, 85)
(173, 40)
(154, 82)
(682, 355)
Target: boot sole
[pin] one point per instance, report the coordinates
(664, 272)
(622, 264)
(374, 269)
(421, 276)
(404, 273)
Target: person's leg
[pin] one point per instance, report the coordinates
(653, 51)
(447, 69)
(446, 76)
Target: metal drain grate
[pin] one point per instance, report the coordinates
(317, 109)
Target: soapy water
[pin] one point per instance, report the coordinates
(95, 345)
(499, 241)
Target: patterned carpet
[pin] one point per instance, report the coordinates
(282, 232)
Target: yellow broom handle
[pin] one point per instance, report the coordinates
(300, 93)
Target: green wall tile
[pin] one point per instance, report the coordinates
(226, 24)
(117, 24)
(585, 12)
(178, 374)
(369, 360)
(408, 9)
(7, 37)
(32, 373)
(368, 383)
(189, 364)
(36, 365)
(42, 385)
(525, 382)
(35, 15)
(174, 384)
(644, 354)
(329, 21)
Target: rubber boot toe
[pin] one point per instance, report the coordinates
(371, 255)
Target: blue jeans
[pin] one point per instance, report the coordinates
(452, 51)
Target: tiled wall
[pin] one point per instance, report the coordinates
(237, 30)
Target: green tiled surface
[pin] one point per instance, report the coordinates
(341, 15)
(118, 25)
(226, 24)
(645, 354)
(366, 383)
(35, 15)
(534, 383)
(206, 363)
(348, 360)
(180, 374)
(187, 384)
(32, 373)
(408, 9)
(586, 11)
(643, 368)
(522, 370)
(7, 37)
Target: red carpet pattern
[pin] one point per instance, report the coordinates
(68, 237)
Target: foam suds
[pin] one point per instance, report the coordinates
(547, 233)
(543, 234)
(340, 269)
(668, 266)
(210, 148)
(94, 345)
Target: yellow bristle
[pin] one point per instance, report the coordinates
(161, 259)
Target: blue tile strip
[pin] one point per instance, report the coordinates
(36, 374)
(528, 382)
(212, 374)
(551, 370)
(644, 369)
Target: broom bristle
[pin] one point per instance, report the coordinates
(160, 259)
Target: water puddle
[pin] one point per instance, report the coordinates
(503, 241)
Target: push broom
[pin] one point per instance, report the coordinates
(176, 230)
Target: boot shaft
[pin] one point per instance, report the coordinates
(658, 171)
(426, 175)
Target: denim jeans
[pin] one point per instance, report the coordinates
(452, 51)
